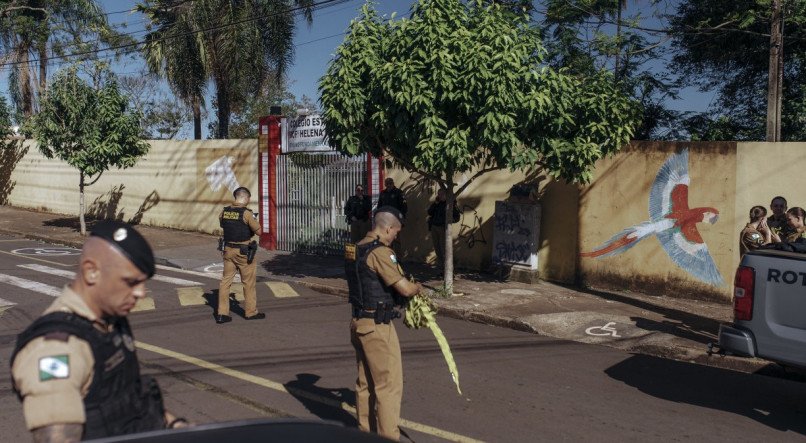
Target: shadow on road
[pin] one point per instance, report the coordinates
(772, 402)
(322, 402)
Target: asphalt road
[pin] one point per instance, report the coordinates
(298, 362)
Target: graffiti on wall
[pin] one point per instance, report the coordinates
(219, 173)
(516, 233)
(470, 230)
(672, 222)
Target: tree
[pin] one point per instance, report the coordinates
(43, 29)
(88, 126)
(163, 116)
(175, 49)
(240, 43)
(725, 46)
(458, 88)
(585, 36)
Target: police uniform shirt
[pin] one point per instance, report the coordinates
(383, 262)
(248, 218)
(750, 239)
(53, 374)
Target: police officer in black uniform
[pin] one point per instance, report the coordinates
(75, 369)
(377, 284)
(393, 196)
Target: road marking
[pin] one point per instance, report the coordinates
(37, 259)
(281, 290)
(607, 329)
(71, 274)
(191, 296)
(47, 251)
(144, 304)
(189, 272)
(31, 285)
(266, 383)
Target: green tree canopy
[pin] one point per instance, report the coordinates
(461, 87)
(88, 126)
(725, 46)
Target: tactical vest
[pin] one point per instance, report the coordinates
(235, 228)
(119, 401)
(366, 289)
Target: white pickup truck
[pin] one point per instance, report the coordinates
(769, 308)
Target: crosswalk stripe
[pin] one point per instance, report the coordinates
(71, 274)
(31, 285)
(281, 290)
(144, 304)
(191, 296)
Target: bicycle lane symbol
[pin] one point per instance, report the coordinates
(603, 331)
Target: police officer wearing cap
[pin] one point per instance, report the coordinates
(75, 369)
(376, 283)
(239, 225)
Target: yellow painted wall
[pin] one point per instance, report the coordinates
(473, 234)
(165, 188)
(618, 197)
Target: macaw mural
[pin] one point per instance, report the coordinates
(672, 222)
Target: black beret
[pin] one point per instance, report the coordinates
(128, 241)
(241, 188)
(392, 210)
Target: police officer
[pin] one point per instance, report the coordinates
(778, 220)
(393, 196)
(376, 283)
(239, 226)
(357, 211)
(75, 368)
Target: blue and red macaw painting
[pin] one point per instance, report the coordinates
(673, 222)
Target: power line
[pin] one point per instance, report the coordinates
(131, 47)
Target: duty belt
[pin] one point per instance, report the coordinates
(363, 313)
(236, 245)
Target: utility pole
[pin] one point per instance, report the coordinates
(776, 73)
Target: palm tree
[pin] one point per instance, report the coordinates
(239, 42)
(45, 28)
(175, 50)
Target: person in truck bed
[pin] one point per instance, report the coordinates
(757, 233)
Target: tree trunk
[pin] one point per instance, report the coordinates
(197, 135)
(448, 269)
(43, 70)
(81, 204)
(24, 78)
(222, 97)
(618, 40)
(775, 74)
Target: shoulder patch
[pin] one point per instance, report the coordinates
(393, 258)
(54, 367)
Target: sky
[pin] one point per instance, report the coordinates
(314, 47)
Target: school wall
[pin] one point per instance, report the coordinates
(618, 197)
(168, 187)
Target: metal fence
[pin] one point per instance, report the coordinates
(312, 189)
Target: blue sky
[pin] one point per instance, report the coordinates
(315, 45)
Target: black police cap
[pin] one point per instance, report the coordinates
(128, 241)
(392, 210)
(242, 188)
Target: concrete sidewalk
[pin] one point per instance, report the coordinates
(660, 326)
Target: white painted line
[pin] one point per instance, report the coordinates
(71, 274)
(49, 270)
(215, 276)
(5, 303)
(175, 281)
(31, 285)
(281, 290)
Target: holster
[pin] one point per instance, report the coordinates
(220, 244)
(251, 250)
(385, 313)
